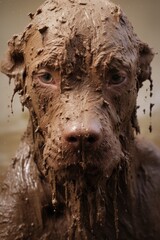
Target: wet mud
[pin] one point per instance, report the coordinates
(80, 171)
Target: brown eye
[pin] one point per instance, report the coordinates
(117, 77)
(45, 77)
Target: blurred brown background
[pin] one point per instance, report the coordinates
(145, 18)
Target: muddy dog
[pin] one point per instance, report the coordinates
(80, 172)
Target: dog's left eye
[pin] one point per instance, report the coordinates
(117, 77)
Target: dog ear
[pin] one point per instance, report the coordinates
(145, 58)
(13, 62)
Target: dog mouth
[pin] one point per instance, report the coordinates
(88, 166)
(80, 170)
(70, 160)
(87, 176)
(92, 171)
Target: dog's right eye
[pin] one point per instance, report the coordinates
(117, 77)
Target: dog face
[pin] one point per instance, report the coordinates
(78, 69)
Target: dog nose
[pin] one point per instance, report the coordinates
(82, 137)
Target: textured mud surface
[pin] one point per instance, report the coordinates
(79, 172)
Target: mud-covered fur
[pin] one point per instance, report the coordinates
(80, 172)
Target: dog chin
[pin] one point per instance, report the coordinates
(89, 175)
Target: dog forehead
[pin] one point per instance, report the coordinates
(97, 26)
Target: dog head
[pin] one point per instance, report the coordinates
(78, 68)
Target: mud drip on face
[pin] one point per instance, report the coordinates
(83, 210)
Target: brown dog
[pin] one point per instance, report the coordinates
(80, 173)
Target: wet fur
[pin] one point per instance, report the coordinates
(107, 190)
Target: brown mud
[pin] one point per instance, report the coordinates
(80, 173)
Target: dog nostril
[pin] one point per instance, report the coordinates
(72, 139)
(92, 139)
